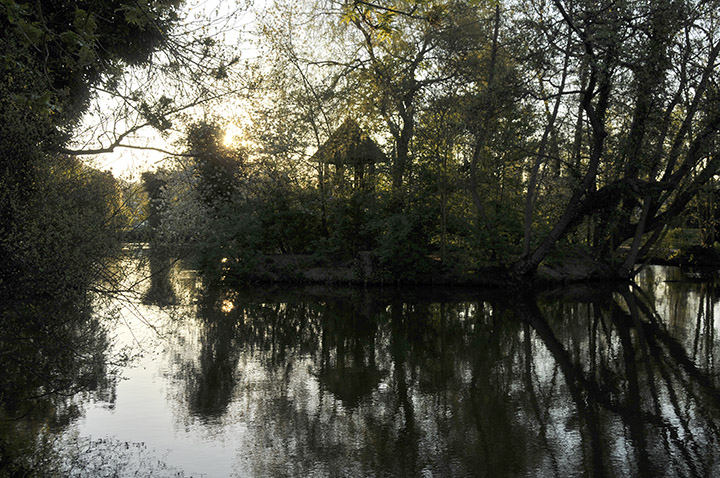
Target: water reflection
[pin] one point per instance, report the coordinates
(337, 382)
(52, 349)
(316, 381)
(160, 290)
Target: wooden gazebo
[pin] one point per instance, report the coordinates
(350, 147)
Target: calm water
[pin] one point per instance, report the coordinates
(332, 382)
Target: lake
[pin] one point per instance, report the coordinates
(317, 381)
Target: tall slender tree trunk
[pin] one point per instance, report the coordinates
(481, 134)
(540, 157)
(596, 114)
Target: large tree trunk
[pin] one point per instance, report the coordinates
(528, 264)
(402, 142)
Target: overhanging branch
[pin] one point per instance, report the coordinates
(114, 146)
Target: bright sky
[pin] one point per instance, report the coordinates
(129, 163)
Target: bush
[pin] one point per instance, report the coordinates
(403, 248)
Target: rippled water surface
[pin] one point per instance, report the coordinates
(315, 381)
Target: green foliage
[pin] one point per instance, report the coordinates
(352, 225)
(699, 255)
(403, 248)
(217, 167)
(61, 222)
(228, 212)
(58, 220)
(62, 241)
(233, 249)
(704, 213)
(494, 146)
(682, 238)
(154, 182)
(67, 50)
(63, 237)
(290, 220)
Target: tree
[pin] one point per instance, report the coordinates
(395, 65)
(217, 166)
(53, 56)
(61, 222)
(646, 76)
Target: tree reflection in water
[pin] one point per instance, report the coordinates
(423, 382)
(344, 382)
(50, 351)
(160, 292)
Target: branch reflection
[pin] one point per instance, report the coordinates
(461, 383)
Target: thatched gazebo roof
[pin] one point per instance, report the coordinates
(349, 146)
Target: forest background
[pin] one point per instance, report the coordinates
(411, 141)
(437, 141)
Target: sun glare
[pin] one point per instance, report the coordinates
(233, 134)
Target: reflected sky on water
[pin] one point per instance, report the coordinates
(317, 381)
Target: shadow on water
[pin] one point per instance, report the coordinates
(643, 406)
(574, 382)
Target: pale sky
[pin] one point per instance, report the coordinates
(129, 163)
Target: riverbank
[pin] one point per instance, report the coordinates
(304, 269)
(572, 266)
(364, 270)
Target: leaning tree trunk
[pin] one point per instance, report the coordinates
(527, 265)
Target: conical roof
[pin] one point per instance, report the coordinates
(349, 145)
